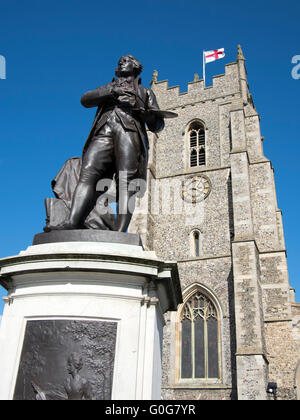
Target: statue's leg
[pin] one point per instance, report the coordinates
(127, 153)
(82, 204)
(94, 166)
(96, 161)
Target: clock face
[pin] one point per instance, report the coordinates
(196, 188)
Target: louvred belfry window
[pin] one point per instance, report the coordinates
(199, 339)
(197, 145)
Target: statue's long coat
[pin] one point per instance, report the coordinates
(65, 182)
(102, 97)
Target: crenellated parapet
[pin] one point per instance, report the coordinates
(223, 86)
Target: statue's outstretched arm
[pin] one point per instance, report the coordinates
(154, 123)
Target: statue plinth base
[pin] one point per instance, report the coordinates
(93, 308)
(87, 235)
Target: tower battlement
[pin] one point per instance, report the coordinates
(223, 86)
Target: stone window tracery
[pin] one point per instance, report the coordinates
(197, 144)
(199, 357)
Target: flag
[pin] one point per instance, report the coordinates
(213, 55)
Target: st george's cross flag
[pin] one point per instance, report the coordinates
(214, 55)
(209, 56)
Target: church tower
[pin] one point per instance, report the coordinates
(211, 207)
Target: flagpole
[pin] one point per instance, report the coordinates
(204, 68)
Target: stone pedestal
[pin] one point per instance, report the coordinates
(84, 320)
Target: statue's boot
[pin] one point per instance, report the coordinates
(82, 204)
(122, 222)
(61, 226)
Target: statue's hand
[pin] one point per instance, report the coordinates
(116, 91)
(142, 112)
(145, 115)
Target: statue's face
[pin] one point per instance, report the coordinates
(70, 367)
(126, 66)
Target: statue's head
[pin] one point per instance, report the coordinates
(74, 363)
(128, 66)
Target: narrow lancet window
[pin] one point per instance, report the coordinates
(196, 243)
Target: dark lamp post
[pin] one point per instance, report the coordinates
(272, 389)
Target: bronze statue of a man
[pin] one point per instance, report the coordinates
(117, 145)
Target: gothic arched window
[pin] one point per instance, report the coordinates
(197, 144)
(199, 358)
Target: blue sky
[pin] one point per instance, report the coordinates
(56, 50)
